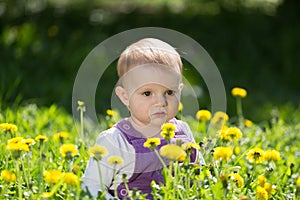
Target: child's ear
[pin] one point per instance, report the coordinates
(181, 86)
(122, 94)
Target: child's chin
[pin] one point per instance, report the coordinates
(159, 121)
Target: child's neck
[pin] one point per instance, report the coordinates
(147, 131)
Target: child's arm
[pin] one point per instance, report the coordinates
(91, 178)
(116, 145)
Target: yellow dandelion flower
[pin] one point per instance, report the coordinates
(203, 115)
(234, 133)
(219, 119)
(71, 178)
(239, 92)
(8, 176)
(7, 127)
(223, 153)
(61, 135)
(168, 127)
(98, 152)
(168, 131)
(81, 106)
(180, 107)
(29, 141)
(115, 160)
(68, 150)
(237, 178)
(46, 195)
(41, 138)
(167, 135)
(173, 152)
(112, 113)
(190, 145)
(17, 147)
(80, 103)
(298, 182)
(221, 115)
(269, 188)
(248, 123)
(152, 143)
(261, 193)
(224, 127)
(272, 155)
(223, 134)
(256, 155)
(15, 140)
(52, 176)
(261, 180)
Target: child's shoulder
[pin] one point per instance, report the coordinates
(183, 126)
(179, 122)
(110, 132)
(111, 135)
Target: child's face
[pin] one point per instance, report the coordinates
(153, 104)
(152, 94)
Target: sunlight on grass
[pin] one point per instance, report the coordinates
(242, 161)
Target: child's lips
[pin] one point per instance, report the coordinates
(159, 114)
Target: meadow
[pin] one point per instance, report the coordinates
(43, 155)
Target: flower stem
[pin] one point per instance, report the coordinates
(4, 190)
(168, 183)
(81, 125)
(100, 176)
(240, 111)
(29, 168)
(20, 192)
(126, 187)
(202, 127)
(115, 182)
(187, 185)
(160, 159)
(251, 178)
(25, 173)
(40, 181)
(178, 194)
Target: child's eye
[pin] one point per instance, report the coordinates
(147, 93)
(170, 92)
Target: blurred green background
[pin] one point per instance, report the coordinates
(254, 43)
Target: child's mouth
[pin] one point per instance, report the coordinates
(160, 114)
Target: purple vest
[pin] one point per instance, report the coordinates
(147, 165)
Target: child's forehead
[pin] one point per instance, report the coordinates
(153, 69)
(157, 86)
(151, 74)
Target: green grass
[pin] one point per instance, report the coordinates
(215, 180)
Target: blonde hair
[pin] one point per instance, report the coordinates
(149, 50)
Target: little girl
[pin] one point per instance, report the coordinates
(150, 73)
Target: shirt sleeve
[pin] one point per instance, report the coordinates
(116, 145)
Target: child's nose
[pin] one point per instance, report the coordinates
(161, 100)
